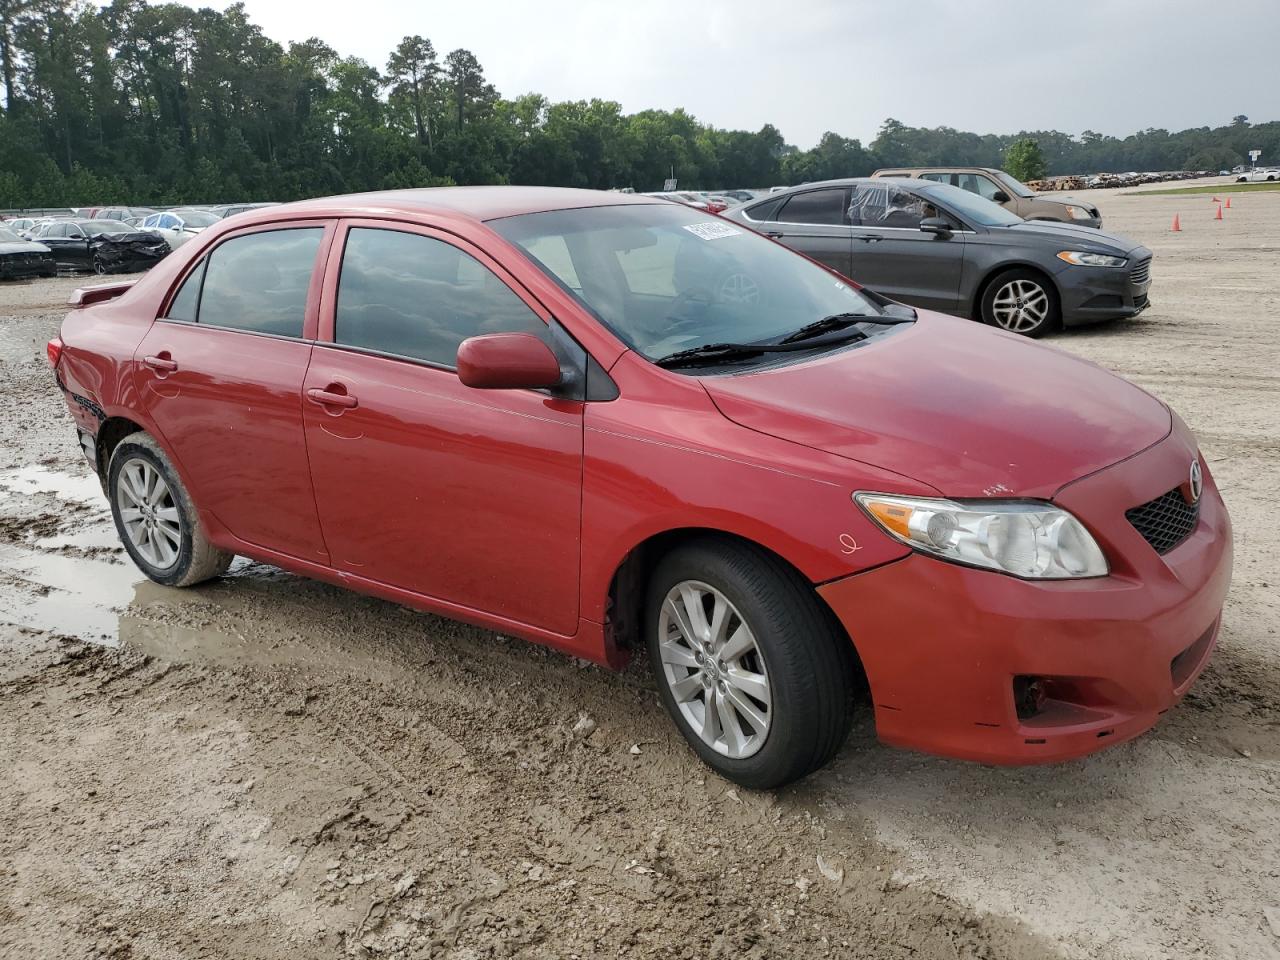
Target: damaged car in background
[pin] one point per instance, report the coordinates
(23, 258)
(103, 246)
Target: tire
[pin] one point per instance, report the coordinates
(805, 713)
(1008, 302)
(99, 267)
(161, 530)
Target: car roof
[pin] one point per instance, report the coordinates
(908, 182)
(475, 203)
(938, 169)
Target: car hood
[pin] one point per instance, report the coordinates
(971, 411)
(1089, 239)
(22, 246)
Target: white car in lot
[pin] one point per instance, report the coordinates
(179, 226)
(1259, 175)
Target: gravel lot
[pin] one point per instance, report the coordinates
(267, 767)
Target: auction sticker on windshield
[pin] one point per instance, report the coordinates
(710, 230)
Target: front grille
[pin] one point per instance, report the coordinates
(1165, 521)
(1141, 272)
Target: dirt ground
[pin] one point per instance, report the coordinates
(267, 767)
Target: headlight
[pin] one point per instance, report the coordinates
(1079, 213)
(1082, 259)
(1034, 540)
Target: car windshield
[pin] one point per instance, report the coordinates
(970, 206)
(196, 218)
(8, 236)
(668, 278)
(1016, 187)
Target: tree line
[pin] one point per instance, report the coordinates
(165, 104)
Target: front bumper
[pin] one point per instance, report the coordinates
(942, 644)
(16, 268)
(1090, 294)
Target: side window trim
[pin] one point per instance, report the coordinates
(319, 270)
(326, 334)
(779, 215)
(333, 269)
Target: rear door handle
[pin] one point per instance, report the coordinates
(329, 398)
(163, 362)
(775, 234)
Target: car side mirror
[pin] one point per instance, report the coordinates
(507, 361)
(936, 225)
(1000, 197)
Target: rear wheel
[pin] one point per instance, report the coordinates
(747, 663)
(1021, 302)
(156, 519)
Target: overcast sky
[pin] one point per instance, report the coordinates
(990, 66)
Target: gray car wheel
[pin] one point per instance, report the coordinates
(1021, 302)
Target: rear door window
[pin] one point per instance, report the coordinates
(259, 282)
(414, 296)
(815, 206)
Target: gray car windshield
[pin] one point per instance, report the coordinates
(666, 278)
(8, 236)
(1016, 187)
(970, 206)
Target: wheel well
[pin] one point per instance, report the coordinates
(975, 312)
(624, 610)
(112, 431)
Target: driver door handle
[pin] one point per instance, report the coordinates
(870, 239)
(327, 398)
(775, 234)
(164, 363)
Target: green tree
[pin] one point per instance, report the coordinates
(1024, 161)
(414, 69)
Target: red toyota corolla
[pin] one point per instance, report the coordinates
(602, 421)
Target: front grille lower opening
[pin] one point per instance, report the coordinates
(1165, 521)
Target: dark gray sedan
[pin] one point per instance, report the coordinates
(942, 248)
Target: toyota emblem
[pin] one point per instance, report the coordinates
(1197, 481)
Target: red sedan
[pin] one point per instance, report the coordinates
(605, 422)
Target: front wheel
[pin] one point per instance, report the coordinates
(747, 663)
(1021, 302)
(156, 520)
(99, 267)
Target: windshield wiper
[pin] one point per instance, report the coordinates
(710, 353)
(838, 321)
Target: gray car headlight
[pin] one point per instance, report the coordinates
(1082, 259)
(1078, 213)
(1030, 539)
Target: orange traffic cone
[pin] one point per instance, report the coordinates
(1218, 215)
(1228, 203)
(1177, 224)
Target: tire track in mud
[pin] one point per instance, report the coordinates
(519, 834)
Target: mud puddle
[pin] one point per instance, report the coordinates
(36, 480)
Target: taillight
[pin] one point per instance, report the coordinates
(54, 351)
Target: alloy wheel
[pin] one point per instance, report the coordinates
(1020, 306)
(149, 513)
(714, 669)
